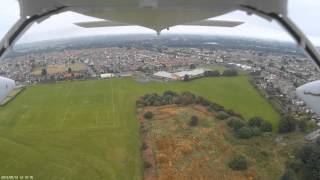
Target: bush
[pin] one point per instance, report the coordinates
(147, 165)
(256, 131)
(309, 158)
(232, 113)
(144, 146)
(230, 72)
(148, 115)
(238, 163)
(235, 123)
(255, 122)
(212, 73)
(289, 174)
(287, 125)
(302, 125)
(245, 133)
(266, 127)
(194, 121)
(222, 115)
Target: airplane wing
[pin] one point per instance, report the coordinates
(94, 24)
(216, 23)
(107, 23)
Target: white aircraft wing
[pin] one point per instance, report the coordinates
(94, 24)
(106, 23)
(216, 23)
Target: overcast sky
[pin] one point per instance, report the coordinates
(305, 13)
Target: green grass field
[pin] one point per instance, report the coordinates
(88, 129)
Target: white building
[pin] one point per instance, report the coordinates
(105, 76)
(6, 86)
(164, 75)
(192, 74)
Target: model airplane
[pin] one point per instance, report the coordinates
(156, 15)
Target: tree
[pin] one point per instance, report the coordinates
(244, 133)
(69, 70)
(256, 131)
(230, 72)
(148, 115)
(289, 174)
(186, 78)
(266, 126)
(309, 158)
(193, 66)
(211, 73)
(255, 122)
(147, 164)
(287, 124)
(194, 121)
(235, 123)
(302, 125)
(44, 72)
(222, 115)
(238, 163)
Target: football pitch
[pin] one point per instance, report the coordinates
(88, 129)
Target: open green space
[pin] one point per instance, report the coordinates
(88, 129)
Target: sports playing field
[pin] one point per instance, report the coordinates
(88, 129)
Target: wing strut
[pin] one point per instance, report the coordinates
(23, 24)
(292, 29)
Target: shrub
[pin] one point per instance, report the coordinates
(148, 115)
(232, 113)
(147, 165)
(309, 158)
(245, 133)
(230, 72)
(287, 125)
(222, 115)
(266, 126)
(302, 125)
(256, 131)
(238, 163)
(216, 107)
(289, 174)
(255, 122)
(212, 73)
(235, 123)
(194, 121)
(144, 146)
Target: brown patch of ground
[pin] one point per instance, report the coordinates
(178, 151)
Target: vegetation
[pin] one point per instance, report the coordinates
(289, 174)
(194, 121)
(214, 73)
(238, 163)
(246, 130)
(222, 115)
(307, 162)
(287, 124)
(230, 72)
(148, 115)
(43, 72)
